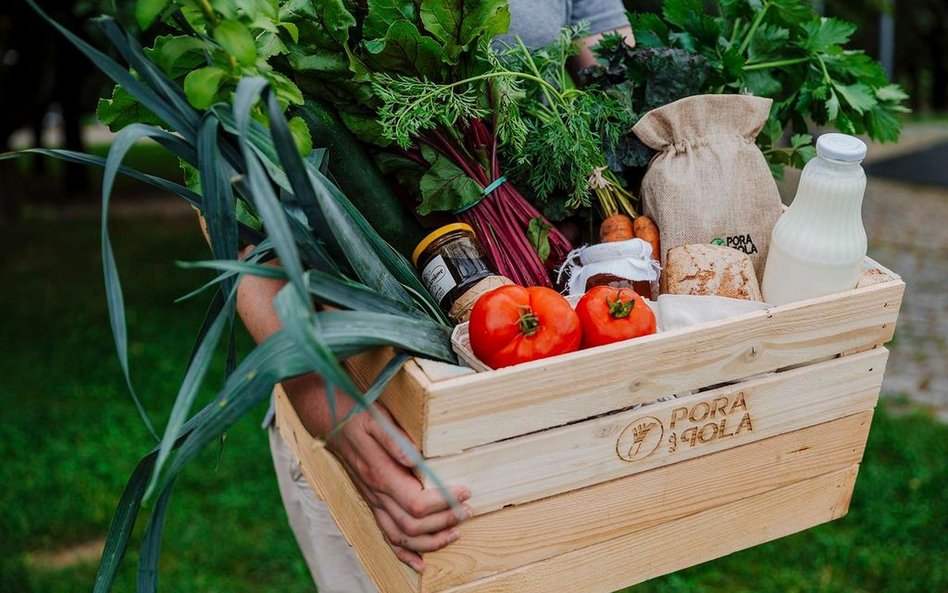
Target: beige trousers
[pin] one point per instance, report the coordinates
(332, 562)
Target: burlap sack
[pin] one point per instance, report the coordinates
(709, 183)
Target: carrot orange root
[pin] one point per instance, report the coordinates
(643, 228)
(617, 227)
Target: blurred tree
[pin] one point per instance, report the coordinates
(921, 43)
(39, 69)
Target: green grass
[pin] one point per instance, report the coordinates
(69, 436)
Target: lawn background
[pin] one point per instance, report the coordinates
(70, 436)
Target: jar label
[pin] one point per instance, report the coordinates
(438, 278)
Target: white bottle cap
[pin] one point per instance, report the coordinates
(841, 147)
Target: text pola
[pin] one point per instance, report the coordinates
(719, 407)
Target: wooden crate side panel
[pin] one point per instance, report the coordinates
(521, 535)
(329, 479)
(404, 397)
(562, 459)
(488, 407)
(684, 542)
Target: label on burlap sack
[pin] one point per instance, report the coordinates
(709, 183)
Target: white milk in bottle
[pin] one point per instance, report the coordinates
(818, 245)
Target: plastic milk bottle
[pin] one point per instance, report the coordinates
(818, 245)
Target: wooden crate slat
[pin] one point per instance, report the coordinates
(684, 542)
(561, 459)
(486, 407)
(405, 396)
(346, 505)
(521, 535)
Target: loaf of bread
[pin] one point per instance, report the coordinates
(710, 270)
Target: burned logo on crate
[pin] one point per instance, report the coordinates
(708, 421)
(640, 438)
(687, 426)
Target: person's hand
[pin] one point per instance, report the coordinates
(414, 520)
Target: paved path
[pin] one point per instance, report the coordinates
(908, 233)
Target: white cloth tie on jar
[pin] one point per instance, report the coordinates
(630, 260)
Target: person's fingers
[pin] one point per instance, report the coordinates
(392, 445)
(373, 464)
(427, 525)
(420, 502)
(410, 558)
(371, 497)
(391, 534)
(420, 543)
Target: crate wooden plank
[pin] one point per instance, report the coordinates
(442, 371)
(562, 459)
(684, 542)
(521, 535)
(486, 407)
(405, 396)
(350, 512)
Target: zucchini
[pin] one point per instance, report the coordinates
(355, 173)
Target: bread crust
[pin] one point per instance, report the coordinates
(704, 270)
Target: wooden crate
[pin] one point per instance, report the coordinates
(576, 487)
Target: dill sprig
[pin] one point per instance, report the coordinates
(411, 105)
(568, 130)
(553, 135)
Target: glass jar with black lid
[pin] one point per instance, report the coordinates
(450, 261)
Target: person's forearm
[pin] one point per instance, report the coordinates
(255, 296)
(307, 393)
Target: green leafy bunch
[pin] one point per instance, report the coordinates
(416, 77)
(356, 55)
(328, 254)
(395, 69)
(568, 131)
(216, 43)
(642, 79)
(551, 132)
(783, 50)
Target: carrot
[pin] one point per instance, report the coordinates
(645, 229)
(617, 227)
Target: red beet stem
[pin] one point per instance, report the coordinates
(500, 220)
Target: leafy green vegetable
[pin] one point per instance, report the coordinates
(567, 131)
(539, 232)
(219, 42)
(419, 79)
(772, 48)
(239, 161)
(642, 79)
(201, 85)
(235, 38)
(444, 186)
(124, 109)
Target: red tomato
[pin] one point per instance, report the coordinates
(512, 324)
(612, 314)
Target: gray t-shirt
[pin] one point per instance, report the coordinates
(539, 22)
